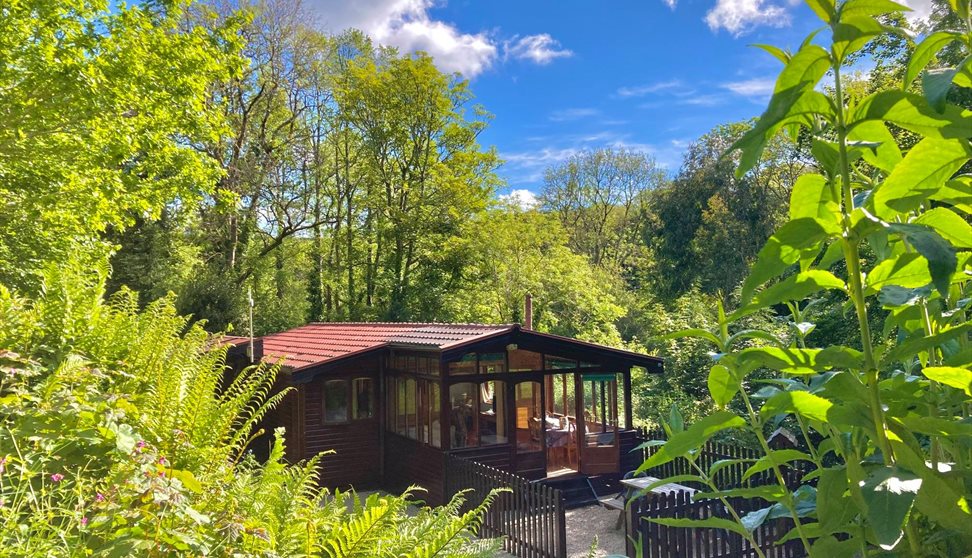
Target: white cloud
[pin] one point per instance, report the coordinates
(573, 114)
(670, 3)
(523, 198)
(642, 90)
(408, 26)
(920, 9)
(757, 87)
(541, 48)
(741, 16)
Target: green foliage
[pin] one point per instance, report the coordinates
(120, 435)
(102, 143)
(884, 421)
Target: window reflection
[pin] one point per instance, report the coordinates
(363, 397)
(462, 424)
(335, 401)
(492, 413)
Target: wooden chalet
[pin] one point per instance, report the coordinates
(392, 400)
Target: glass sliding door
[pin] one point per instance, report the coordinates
(600, 449)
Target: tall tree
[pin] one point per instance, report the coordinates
(599, 198)
(87, 142)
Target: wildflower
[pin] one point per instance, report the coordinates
(99, 497)
(84, 521)
(3, 462)
(57, 477)
(163, 461)
(140, 445)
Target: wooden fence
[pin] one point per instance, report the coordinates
(530, 517)
(652, 540)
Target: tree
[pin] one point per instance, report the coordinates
(707, 225)
(514, 252)
(87, 142)
(599, 198)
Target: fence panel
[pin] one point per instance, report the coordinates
(654, 540)
(531, 517)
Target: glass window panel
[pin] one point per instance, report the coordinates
(462, 419)
(563, 394)
(400, 407)
(362, 399)
(589, 364)
(411, 429)
(465, 365)
(335, 401)
(523, 361)
(529, 420)
(557, 363)
(492, 413)
(491, 363)
(435, 415)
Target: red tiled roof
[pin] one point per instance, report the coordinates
(317, 343)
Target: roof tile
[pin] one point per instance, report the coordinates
(317, 343)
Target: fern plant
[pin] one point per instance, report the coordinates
(121, 435)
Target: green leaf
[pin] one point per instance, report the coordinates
(956, 192)
(950, 226)
(788, 360)
(940, 255)
(694, 332)
(852, 32)
(723, 385)
(893, 295)
(853, 8)
(925, 51)
(935, 85)
(777, 458)
(768, 492)
(913, 113)
(782, 250)
(887, 154)
(812, 197)
(889, 493)
(692, 438)
(794, 287)
(923, 171)
(908, 270)
(824, 9)
(777, 52)
(921, 342)
(958, 378)
(802, 403)
(710, 522)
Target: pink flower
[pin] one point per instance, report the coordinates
(99, 497)
(57, 477)
(163, 461)
(84, 521)
(140, 445)
(3, 462)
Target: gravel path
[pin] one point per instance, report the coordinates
(583, 524)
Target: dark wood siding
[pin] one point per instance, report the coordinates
(356, 445)
(630, 460)
(408, 462)
(497, 456)
(531, 465)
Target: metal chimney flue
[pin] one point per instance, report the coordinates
(528, 312)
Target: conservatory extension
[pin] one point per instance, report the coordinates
(392, 399)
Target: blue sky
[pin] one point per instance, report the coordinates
(562, 76)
